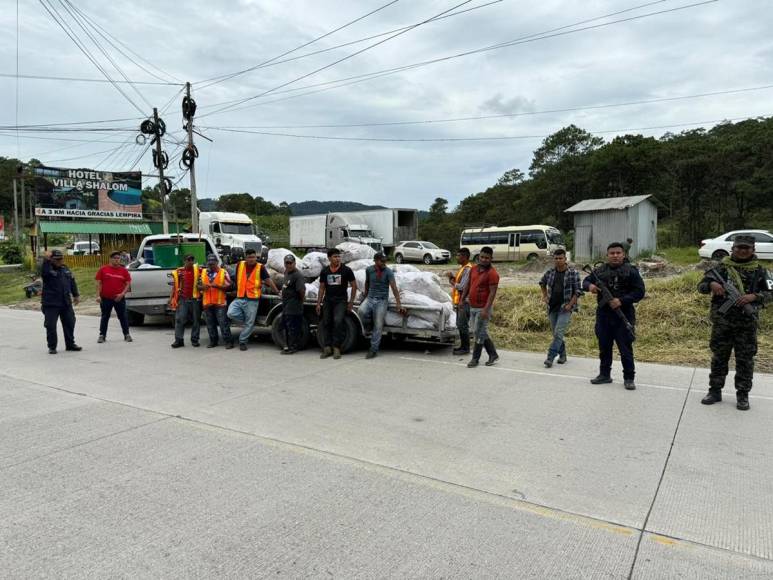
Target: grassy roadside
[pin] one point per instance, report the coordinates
(672, 324)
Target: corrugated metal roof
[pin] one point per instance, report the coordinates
(607, 203)
(141, 229)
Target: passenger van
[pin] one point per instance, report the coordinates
(513, 243)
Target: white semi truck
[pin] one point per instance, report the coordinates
(233, 233)
(382, 229)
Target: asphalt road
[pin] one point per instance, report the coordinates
(136, 461)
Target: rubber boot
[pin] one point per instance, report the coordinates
(742, 400)
(475, 356)
(464, 344)
(491, 351)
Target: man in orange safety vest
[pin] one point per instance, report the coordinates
(250, 276)
(213, 284)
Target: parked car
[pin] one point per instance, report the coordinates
(426, 252)
(83, 248)
(719, 247)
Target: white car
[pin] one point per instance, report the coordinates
(426, 252)
(721, 246)
(83, 248)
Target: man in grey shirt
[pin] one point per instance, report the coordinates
(293, 294)
(378, 280)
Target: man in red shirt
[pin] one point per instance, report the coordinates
(113, 282)
(185, 301)
(480, 294)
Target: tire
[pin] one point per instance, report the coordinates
(399, 258)
(531, 257)
(427, 259)
(719, 254)
(352, 334)
(135, 318)
(278, 335)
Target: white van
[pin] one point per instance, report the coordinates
(83, 248)
(513, 243)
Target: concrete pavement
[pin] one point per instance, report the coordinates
(133, 460)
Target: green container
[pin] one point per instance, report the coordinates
(167, 255)
(198, 249)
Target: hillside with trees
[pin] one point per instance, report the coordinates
(704, 181)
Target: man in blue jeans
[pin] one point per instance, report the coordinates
(560, 292)
(375, 300)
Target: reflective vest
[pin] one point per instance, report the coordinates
(177, 287)
(213, 296)
(248, 287)
(455, 294)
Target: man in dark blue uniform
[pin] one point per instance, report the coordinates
(60, 292)
(627, 288)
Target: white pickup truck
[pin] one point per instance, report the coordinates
(151, 285)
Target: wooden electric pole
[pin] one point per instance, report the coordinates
(160, 160)
(15, 213)
(192, 169)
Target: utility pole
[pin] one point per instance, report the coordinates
(23, 201)
(188, 112)
(15, 213)
(161, 181)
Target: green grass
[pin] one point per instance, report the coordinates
(672, 324)
(680, 256)
(12, 284)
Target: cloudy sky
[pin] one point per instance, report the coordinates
(718, 46)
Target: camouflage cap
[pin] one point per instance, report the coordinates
(57, 254)
(744, 240)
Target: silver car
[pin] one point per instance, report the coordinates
(426, 252)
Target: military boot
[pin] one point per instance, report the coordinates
(475, 360)
(742, 400)
(714, 396)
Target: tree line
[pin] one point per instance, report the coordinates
(705, 182)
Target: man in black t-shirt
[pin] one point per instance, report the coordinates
(293, 294)
(332, 303)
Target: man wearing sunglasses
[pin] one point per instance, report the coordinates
(60, 292)
(736, 329)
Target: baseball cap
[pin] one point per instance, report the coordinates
(57, 254)
(744, 240)
(211, 258)
(379, 256)
(289, 258)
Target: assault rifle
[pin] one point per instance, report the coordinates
(732, 294)
(606, 297)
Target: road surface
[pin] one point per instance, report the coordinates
(133, 460)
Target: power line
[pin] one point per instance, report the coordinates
(473, 139)
(71, 34)
(86, 80)
(508, 115)
(84, 156)
(274, 62)
(555, 32)
(222, 78)
(81, 122)
(56, 138)
(340, 60)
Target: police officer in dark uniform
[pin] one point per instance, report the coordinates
(736, 330)
(60, 292)
(627, 287)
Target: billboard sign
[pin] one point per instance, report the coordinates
(86, 193)
(2, 227)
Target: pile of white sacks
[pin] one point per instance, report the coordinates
(417, 289)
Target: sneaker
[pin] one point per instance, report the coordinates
(74, 348)
(178, 344)
(492, 360)
(629, 385)
(371, 354)
(196, 344)
(128, 338)
(601, 380)
(326, 352)
(101, 339)
(51, 351)
(242, 346)
(212, 345)
(561, 359)
(336, 353)
(548, 362)
(473, 363)
(229, 345)
(714, 396)
(289, 350)
(461, 351)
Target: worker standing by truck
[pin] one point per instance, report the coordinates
(332, 303)
(184, 300)
(293, 295)
(459, 281)
(213, 284)
(375, 300)
(250, 277)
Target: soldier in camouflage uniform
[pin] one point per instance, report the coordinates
(736, 329)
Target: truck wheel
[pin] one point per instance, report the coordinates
(399, 258)
(719, 254)
(278, 335)
(135, 318)
(427, 259)
(531, 257)
(351, 338)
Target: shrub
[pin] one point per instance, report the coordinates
(11, 252)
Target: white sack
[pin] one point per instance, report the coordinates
(424, 283)
(357, 265)
(419, 323)
(312, 290)
(351, 251)
(404, 268)
(312, 264)
(276, 259)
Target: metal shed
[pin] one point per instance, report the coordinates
(599, 222)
